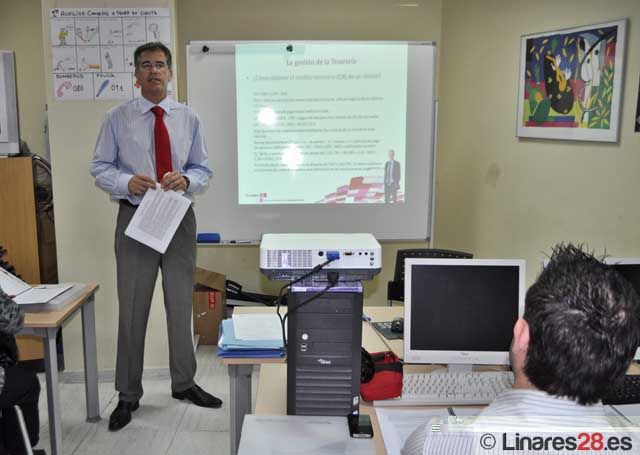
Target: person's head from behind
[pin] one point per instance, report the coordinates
(580, 328)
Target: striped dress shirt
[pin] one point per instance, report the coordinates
(521, 413)
(125, 147)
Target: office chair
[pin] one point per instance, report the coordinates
(23, 429)
(395, 288)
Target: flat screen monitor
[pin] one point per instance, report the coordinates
(461, 311)
(629, 268)
(9, 131)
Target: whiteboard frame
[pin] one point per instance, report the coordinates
(207, 208)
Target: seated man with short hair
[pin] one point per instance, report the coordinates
(579, 333)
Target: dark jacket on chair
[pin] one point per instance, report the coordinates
(11, 320)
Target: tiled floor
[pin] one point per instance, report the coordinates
(162, 425)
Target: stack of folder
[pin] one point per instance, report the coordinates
(231, 346)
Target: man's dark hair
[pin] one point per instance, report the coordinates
(155, 46)
(584, 326)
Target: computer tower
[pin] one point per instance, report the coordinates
(323, 351)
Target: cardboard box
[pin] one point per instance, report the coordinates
(209, 304)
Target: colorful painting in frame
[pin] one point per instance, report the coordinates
(571, 83)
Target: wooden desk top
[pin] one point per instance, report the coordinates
(272, 391)
(55, 313)
(382, 314)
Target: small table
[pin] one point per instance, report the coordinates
(44, 321)
(241, 369)
(272, 400)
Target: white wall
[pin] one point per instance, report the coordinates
(496, 196)
(21, 32)
(85, 219)
(501, 196)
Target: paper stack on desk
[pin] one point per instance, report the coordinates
(238, 337)
(24, 294)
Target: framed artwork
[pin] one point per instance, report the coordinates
(571, 83)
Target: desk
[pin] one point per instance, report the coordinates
(44, 321)
(272, 400)
(240, 370)
(272, 388)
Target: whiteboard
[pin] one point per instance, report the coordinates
(213, 90)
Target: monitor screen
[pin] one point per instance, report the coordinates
(9, 131)
(461, 311)
(629, 268)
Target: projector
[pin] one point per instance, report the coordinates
(289, 256)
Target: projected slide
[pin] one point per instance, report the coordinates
(321, 124)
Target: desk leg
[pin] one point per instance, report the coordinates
(240, 398)
(53, 391)
(90, 361)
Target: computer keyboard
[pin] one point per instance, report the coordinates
(627, 391)
(451, 388)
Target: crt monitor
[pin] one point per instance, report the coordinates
(629, 268)
(461, 311)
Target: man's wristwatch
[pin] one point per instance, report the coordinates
(186, 179)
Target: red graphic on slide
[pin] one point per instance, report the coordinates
(360, 190)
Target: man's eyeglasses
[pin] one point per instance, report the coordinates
(147, 66)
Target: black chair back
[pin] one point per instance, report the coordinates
(395, 288)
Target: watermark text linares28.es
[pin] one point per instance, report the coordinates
(582, 442)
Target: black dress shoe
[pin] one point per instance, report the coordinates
(198, 397)
(121, 415)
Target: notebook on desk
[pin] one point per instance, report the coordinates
(24, 294)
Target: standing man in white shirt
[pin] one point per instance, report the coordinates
(579, 334)
(144, 142)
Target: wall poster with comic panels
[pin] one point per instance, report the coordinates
(571, 83)
(92, 50)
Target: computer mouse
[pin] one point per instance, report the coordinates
(397, 325)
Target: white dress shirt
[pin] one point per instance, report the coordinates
(523, 412)
(125, 146)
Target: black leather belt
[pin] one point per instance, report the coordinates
(127, 203)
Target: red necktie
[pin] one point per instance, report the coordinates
(163, 146)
